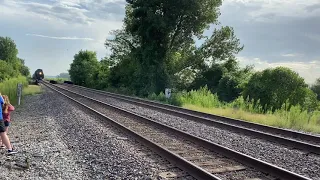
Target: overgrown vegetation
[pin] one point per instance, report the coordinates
(288, 116)
(32, 90)
(9, 87)
(10, 64)
(155, 49)
(12, 70)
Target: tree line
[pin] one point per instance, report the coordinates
(156, 49)
(10, 64)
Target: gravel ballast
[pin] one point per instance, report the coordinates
(64, 142)
(293, 160)
(172, 141)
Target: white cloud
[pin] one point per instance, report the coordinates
(266, 10)
(61, 38)
(308, 70)
(63, 19)
(291, 55)
(87, 21)
(67, 11)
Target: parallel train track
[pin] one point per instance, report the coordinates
(306, 142)
(198, 157)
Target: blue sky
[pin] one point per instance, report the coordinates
(274, 32)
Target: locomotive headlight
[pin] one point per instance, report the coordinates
(40, 73)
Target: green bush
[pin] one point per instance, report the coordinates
(9, 87)
(202, 97)
(288, 116)
(273, 87)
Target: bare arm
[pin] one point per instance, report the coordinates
(10, 108)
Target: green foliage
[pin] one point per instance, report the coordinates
(121, 46)
(6, 71)
(11, 65)
(125, 74)
(31, 90)
(228, 88)
(209, 77)
(103, 74)
(163, 28)
(23, 69)
(173, 100)
(292, 117)
(8, 50)
(84, 68)
(202, 97)
(121, 69)
(273, 87)
(316, 88)
(310, 102)
(156, 49)
(9, 87)
(221, 46)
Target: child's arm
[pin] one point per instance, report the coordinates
(10, 108)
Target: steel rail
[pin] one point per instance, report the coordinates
(243, 158)
(298, 144)
(194, 170)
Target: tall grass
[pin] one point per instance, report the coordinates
(9, 87)
(32, 90)
(241, 108)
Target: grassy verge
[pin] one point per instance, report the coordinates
(9, 87)
(32, 90)
(204, 101)
(275, 120)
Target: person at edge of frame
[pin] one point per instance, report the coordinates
(3, 134)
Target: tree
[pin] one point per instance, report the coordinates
(121, 65)
(273, 87)
(103, 74)
(222, 46)
(8, 50)
(209, 76)
(24, 70)
(310, 102)
(229, 88)
(316, 88)
(8, 53)
(6, 71)
(120, 46)
(165, 27)
(84, 68)
(213, 59)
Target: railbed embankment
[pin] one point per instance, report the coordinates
(64, 142)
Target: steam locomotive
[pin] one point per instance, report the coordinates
(38, 76)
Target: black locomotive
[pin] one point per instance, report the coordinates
(38, 76)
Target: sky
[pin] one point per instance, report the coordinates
(48, 33)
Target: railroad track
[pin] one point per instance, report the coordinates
(306, 142)
(200, 158)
